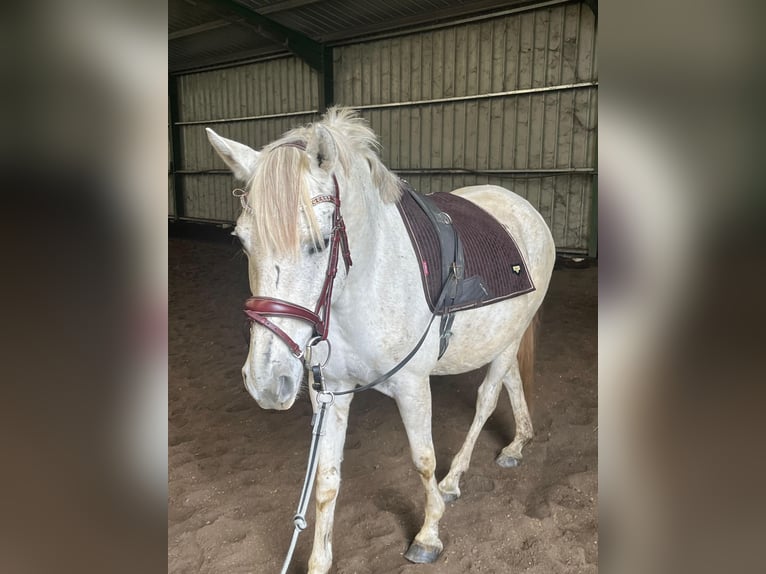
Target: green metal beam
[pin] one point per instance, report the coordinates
(307, 49)
(176, 153)
(593, 236)
(326, 81)
(593, 227)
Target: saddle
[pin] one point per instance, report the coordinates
(467, 258)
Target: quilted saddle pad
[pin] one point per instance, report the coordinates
(489, 250)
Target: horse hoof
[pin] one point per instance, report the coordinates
(450, 496)
(507, 461)
(449, 492)
(419, 554)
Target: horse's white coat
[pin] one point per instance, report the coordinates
(378, 314)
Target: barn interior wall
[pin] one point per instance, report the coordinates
(254, 103)
(540, 142)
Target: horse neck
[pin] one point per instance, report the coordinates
(376, 246)
(365, 215)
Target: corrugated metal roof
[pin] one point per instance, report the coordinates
(204, 33)
(223, 44)
(184, 14)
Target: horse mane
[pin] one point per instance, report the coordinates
(352, 134)
(280, 188)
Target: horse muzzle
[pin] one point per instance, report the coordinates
(278, 393)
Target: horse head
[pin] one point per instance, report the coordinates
(285, 228)
(293, 233)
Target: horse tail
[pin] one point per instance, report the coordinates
(526, 357)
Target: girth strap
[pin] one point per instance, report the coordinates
(453, 264)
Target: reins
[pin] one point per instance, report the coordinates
(317, 424)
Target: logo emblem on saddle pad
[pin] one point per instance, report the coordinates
(516, 269)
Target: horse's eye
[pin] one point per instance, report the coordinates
(317, 247)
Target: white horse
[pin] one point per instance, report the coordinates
(378, 305)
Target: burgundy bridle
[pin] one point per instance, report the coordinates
(258, 309)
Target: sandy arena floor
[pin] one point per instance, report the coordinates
(235, 470)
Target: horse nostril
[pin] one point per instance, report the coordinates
(285, 388)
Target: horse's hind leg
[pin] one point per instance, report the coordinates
(511, 455)
(414, 401)
(489, 390)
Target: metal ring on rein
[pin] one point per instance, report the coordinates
(326, 398)
(310, 351)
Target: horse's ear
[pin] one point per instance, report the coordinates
(240, 158)
(322, 149)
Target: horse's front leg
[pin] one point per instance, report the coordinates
(414, 401)
(328, 482)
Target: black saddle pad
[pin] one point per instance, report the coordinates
(489, 250)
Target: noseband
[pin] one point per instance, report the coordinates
(259, 309)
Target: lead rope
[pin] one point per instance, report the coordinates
(317, 423)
